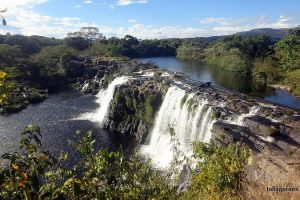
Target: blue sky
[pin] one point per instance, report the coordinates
(148, 18)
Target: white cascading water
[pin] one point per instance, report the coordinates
(85, 86)
(241, 118)
(104, 97)
(190, 123)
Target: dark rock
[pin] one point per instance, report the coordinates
(262, 126)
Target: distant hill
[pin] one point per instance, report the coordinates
(275, 34)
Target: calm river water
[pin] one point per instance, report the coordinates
(58, 119)
(229, 80)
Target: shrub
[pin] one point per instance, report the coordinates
(36, 174)
(220, 173)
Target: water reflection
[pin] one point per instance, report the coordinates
(230, 80)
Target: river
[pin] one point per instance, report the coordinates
(59, 119)
(225, 79)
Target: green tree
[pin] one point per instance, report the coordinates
(83, 38)
(288, 50)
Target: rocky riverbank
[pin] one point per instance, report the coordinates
(20, 97)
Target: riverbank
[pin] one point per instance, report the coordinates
(20, 97)
(228, 80)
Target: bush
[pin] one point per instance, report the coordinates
(36, 174)
(220, 174)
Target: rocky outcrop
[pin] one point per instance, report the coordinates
(134, 107)
(272, 132)
(20, 97)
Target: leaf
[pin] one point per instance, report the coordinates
(4, 22)
(2, 75)
(68, 182)
(111, 155)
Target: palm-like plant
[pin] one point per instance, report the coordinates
(3, 19)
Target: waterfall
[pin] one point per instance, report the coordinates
(85, 86)
(104, 97)
(239, 120)
(190, 119)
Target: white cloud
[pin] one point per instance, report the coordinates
(133, 21)
(22, 19)
(211, 20)
(78, 6)
(226, 26)
(128, 2)
(20, 3)
(109, 5)
(88, 2)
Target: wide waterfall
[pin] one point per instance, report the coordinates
(182, 119)
(104, 97)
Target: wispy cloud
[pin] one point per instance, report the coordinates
(128, 2)
(224, 26)
(133, 21)
(88, 2)
(78, 6)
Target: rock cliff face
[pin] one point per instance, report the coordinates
(134, 107)
(272, 132)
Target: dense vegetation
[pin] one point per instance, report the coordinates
(269, 62)
(35, 64)
(36, 174)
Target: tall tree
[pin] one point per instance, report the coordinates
(83, 38)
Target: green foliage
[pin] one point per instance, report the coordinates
(9, 54)
(30, 44)
(219, 174)
(230, 53)
(288, 50)
(265, 71)
(126, 107)
(50, 59)
(191, 51)
(151, 105)
(228, 59)
(3, 88)
(24, 176)
(215, 114)
(292, 79)
(36, 174)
